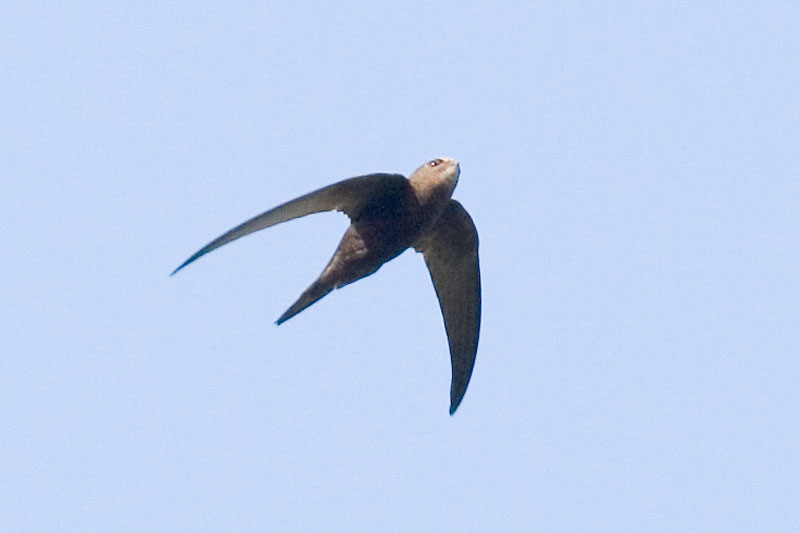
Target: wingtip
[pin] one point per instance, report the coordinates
(453, 409)
(190, 260)
(177, 269)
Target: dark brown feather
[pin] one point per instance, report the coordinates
(451, 253)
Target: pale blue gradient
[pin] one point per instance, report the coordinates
(634, 172)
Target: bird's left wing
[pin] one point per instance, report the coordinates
(451, 253)
(349, 196)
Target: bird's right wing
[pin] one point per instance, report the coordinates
(451, 253)
(349, 196)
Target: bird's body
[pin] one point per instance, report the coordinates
(388, 214)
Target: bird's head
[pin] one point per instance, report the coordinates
(439, 175)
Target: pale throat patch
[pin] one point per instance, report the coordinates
(430, 184)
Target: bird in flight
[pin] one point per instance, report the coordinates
(390, 213)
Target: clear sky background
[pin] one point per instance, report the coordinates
(633, 169)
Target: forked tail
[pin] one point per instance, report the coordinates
(317, 290)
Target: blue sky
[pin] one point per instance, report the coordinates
(633, 171)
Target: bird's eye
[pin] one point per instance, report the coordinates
(435, 162)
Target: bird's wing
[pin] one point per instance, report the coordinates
(349, 196)
(451, 253)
